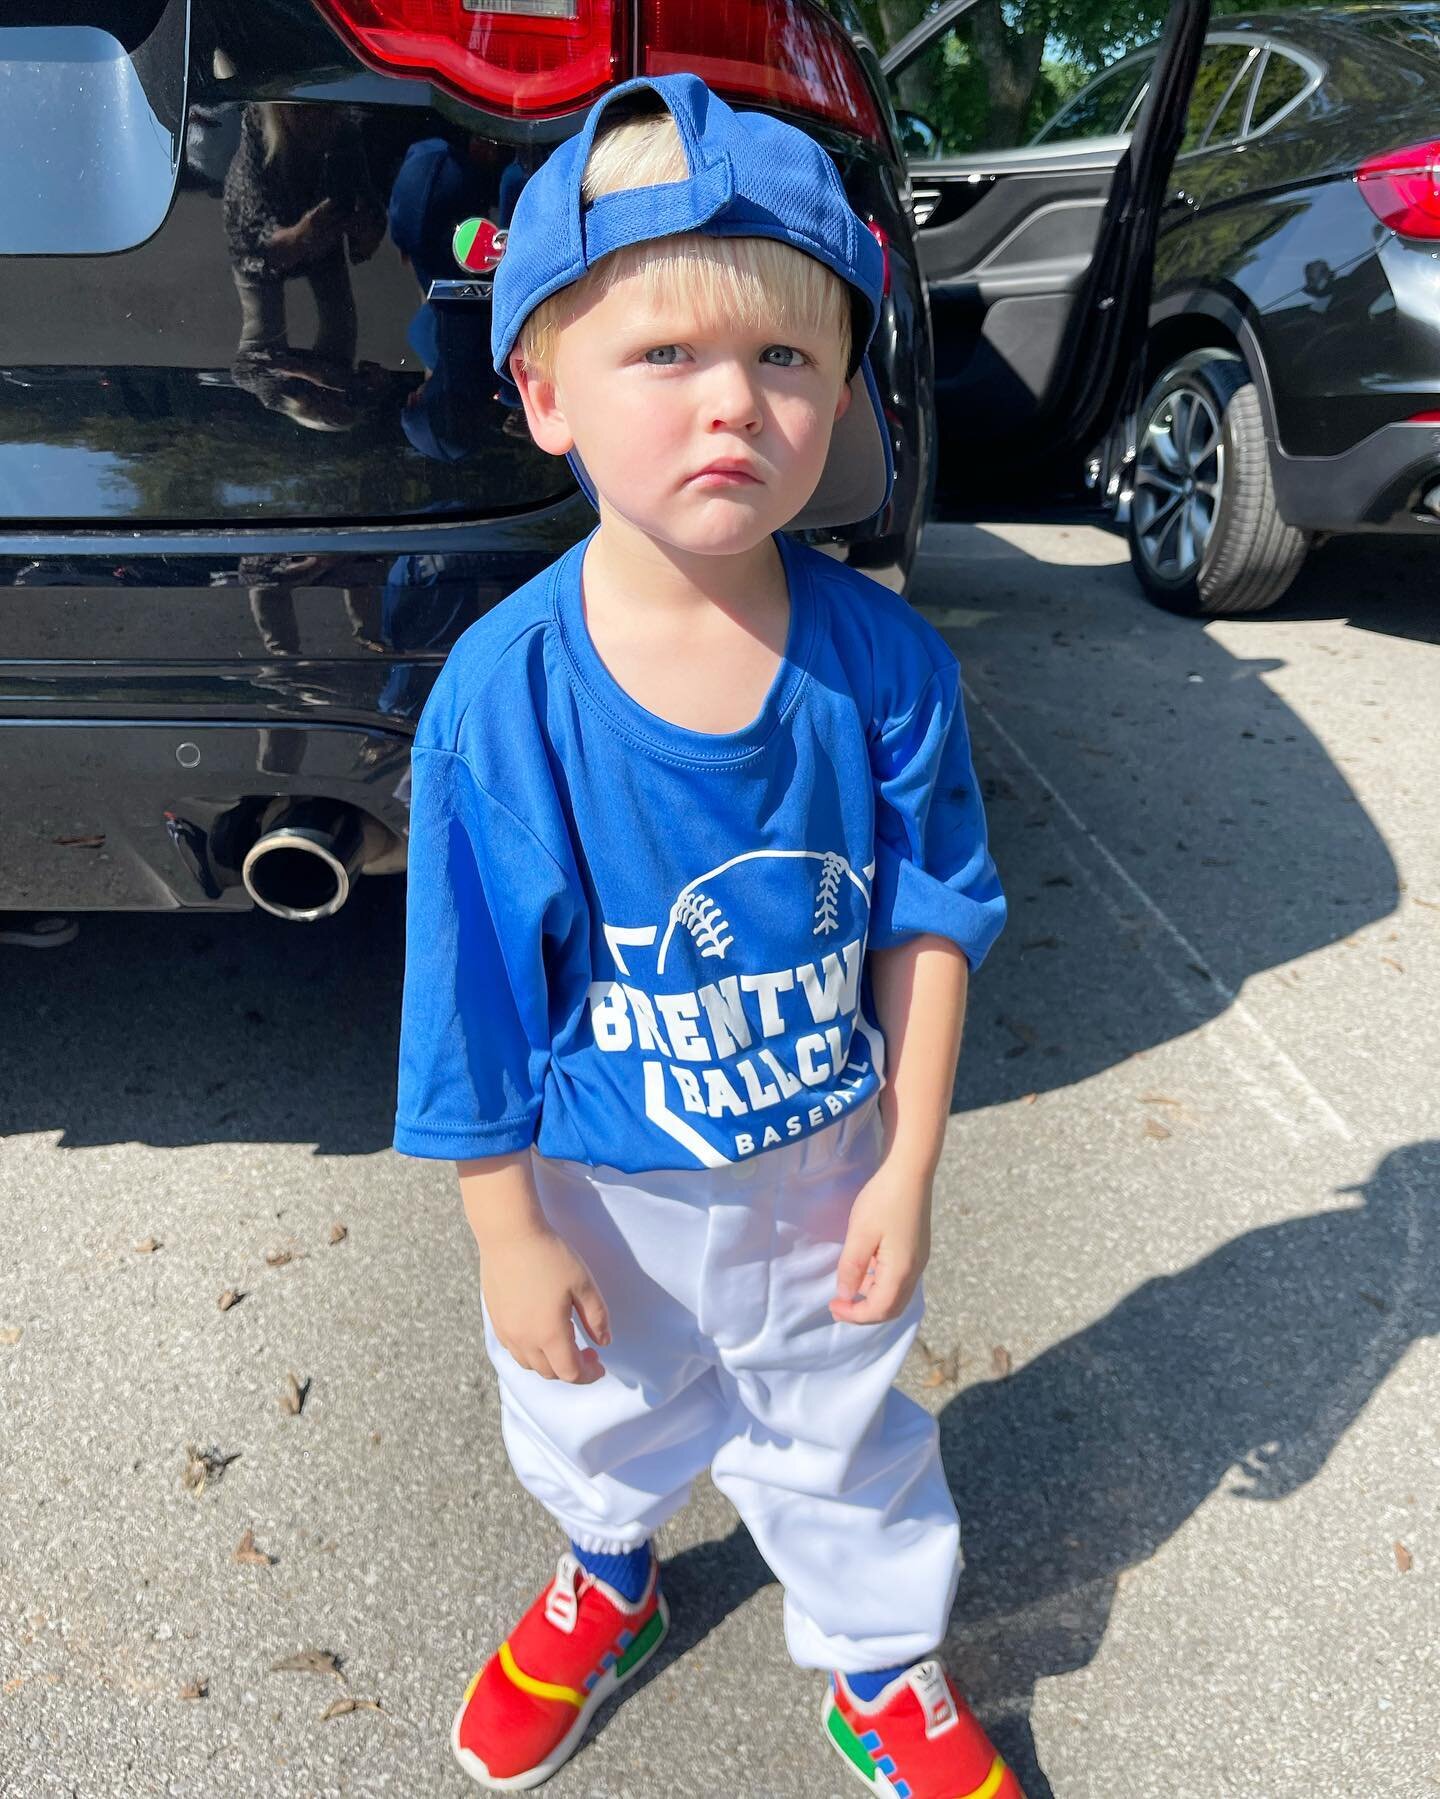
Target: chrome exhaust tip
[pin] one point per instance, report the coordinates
(302, 865)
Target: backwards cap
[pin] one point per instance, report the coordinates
(750, 176)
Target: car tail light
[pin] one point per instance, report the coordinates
(1402, 190)
(530, 58)
(784, 52)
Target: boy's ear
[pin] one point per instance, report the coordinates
(543, 412)
(842, 405)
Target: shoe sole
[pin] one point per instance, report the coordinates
(608, 1683)
(998, 1784)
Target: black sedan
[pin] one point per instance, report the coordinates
(1291, 383)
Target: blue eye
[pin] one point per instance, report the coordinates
(793, 358)
(663, 355)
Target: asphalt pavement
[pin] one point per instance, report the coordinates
(1183, 1302)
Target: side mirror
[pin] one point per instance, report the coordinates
(918, 137)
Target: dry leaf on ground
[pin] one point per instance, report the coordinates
(230, 1297)
(195, 1689)
(309, 1661)
(249, 1551)
(12, 1333)
(204, 1465)
(338, 1232)
(148, 1247)
(338, 1707)
(1153, 1128)
(1000, 1360)
(277, 1258)
(292, 1400)
(1404, 1561)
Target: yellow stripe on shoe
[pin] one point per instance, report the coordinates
(544, 1689)
(990, 1785)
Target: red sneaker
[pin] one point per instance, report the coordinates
(525, 1712)
(917, 1739)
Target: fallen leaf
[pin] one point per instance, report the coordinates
(277, 1258)
(1000, 1360)
(204, 1465)
(309, 1661)
(148, 1247)
(1153, 1128)
(1390, 962)
(80, 842)
(338, 1707)
(195, 1689)
(1432, 905)
(249, 1551)
(12, 1333)
(1404, 1561)
(374, 1436)
(1028, 1099)
(229, 1298)
(292, 1400)
(1158, 1099)
(338, 1233)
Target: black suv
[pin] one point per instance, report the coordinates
(255, 475)
(1289, 386)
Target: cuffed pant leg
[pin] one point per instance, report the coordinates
(611, 1461)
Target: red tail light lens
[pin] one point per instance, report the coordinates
(530, 58)
(782, 52)
(1402, 190)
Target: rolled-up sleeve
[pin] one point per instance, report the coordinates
(933, 869)
(474, 1025)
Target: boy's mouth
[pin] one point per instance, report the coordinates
(726, 471)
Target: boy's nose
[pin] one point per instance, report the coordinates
(733, 402)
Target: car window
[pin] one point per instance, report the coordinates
(1232, 114)
(1002, 76)
(1281, 80)
(1101, 109)
(1219, 65)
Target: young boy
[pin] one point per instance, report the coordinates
(696, 849)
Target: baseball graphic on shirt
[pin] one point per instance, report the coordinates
(737, 1043)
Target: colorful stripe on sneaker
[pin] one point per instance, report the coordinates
(868, 1755)
(634, 1648)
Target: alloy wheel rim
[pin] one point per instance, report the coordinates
(1179, 472)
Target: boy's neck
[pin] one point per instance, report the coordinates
(653, 575)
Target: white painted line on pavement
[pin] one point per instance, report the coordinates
(1250, 1078)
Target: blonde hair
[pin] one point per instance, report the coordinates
(758, 282)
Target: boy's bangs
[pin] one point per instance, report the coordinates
(755, 282)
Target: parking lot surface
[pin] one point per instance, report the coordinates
(1183, 1302)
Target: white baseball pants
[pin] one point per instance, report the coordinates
(725, 1355)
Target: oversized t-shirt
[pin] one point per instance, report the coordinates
(641, 946)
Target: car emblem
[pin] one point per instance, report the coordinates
(478, 245)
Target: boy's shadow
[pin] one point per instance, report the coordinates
(1242, 1372)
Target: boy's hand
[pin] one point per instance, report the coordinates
(886, 1248)
(531, 1285)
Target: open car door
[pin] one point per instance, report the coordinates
(1039, 141)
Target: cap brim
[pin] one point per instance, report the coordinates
(859, 471)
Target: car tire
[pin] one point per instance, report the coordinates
(1206, 537)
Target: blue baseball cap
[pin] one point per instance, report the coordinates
(751, 175)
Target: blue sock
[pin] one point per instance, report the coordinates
(866, 1686)
(628, 1572)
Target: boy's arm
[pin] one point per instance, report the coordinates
(920, 988)
(532, 1280)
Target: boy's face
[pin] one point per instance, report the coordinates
(705, 436)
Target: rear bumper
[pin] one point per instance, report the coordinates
(119, 816)
(1376, 485)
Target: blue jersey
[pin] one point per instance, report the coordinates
(641, 946)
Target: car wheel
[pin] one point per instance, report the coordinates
(1206, 538)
